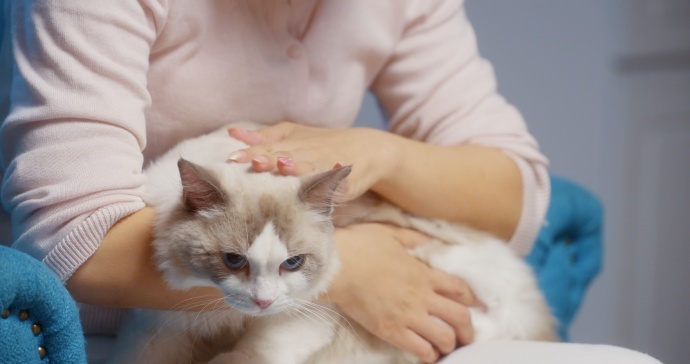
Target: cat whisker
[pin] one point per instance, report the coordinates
(331, 311)
(208, 313)
(350, 330)
(185, 316)
(337, 331)
(296, 312)
(171, 317)
(205, 307)
(315, 316)
(325, 312)
(190, 304)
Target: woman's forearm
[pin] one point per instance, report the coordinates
(476, 185)
(122, 273)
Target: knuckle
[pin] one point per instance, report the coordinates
(461, 290)
(283, 153)
(254, 150)
(459, 285)
(463, 315)
(400, 307)
(386, 329)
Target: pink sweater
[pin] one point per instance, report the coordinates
(100, 87)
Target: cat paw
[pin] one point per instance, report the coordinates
(232, 358)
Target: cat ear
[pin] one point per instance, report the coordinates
(199, 192)
(318, 190)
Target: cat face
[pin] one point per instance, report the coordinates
(264, 240)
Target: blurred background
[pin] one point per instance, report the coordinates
(605, 88)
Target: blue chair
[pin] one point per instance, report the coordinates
(39, 321)
(568, 252)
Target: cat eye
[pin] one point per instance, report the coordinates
(234, 261)
(293, 263)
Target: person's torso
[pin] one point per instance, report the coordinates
(311, 62)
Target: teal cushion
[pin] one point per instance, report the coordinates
(31, 294)
(567, 254)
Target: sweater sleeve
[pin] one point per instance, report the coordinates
(74, 128)
(438, 89)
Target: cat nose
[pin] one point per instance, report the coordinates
(263, 303)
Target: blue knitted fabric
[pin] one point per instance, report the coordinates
(27, 284)
(568, 252)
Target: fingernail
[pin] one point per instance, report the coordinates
(259, 159)
(237, 155)
(286, 161)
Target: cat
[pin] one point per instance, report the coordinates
(265, 240)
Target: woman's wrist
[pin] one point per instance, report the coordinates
(389, 154)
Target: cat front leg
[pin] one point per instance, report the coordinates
(285, 338)
(231, 358)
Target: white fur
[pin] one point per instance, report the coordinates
(516, 308)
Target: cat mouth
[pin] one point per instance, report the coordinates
(256, 309)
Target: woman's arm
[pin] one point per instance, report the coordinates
(72, 139)
(477, 185)
(122, 272)
(437, 88)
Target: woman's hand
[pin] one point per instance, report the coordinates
(397, 297)
(297, 150)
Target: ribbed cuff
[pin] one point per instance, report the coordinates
(536, 192)
(82, 242)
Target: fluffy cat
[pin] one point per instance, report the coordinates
(266, 241)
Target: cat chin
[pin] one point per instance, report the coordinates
(252, 310)
(258, 312)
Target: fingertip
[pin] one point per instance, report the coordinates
(285, 161)
(235, 132)
(239, 156)
(435, 356)
(431, 355)
(260, 163)
(426, 352)
(286, 166)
